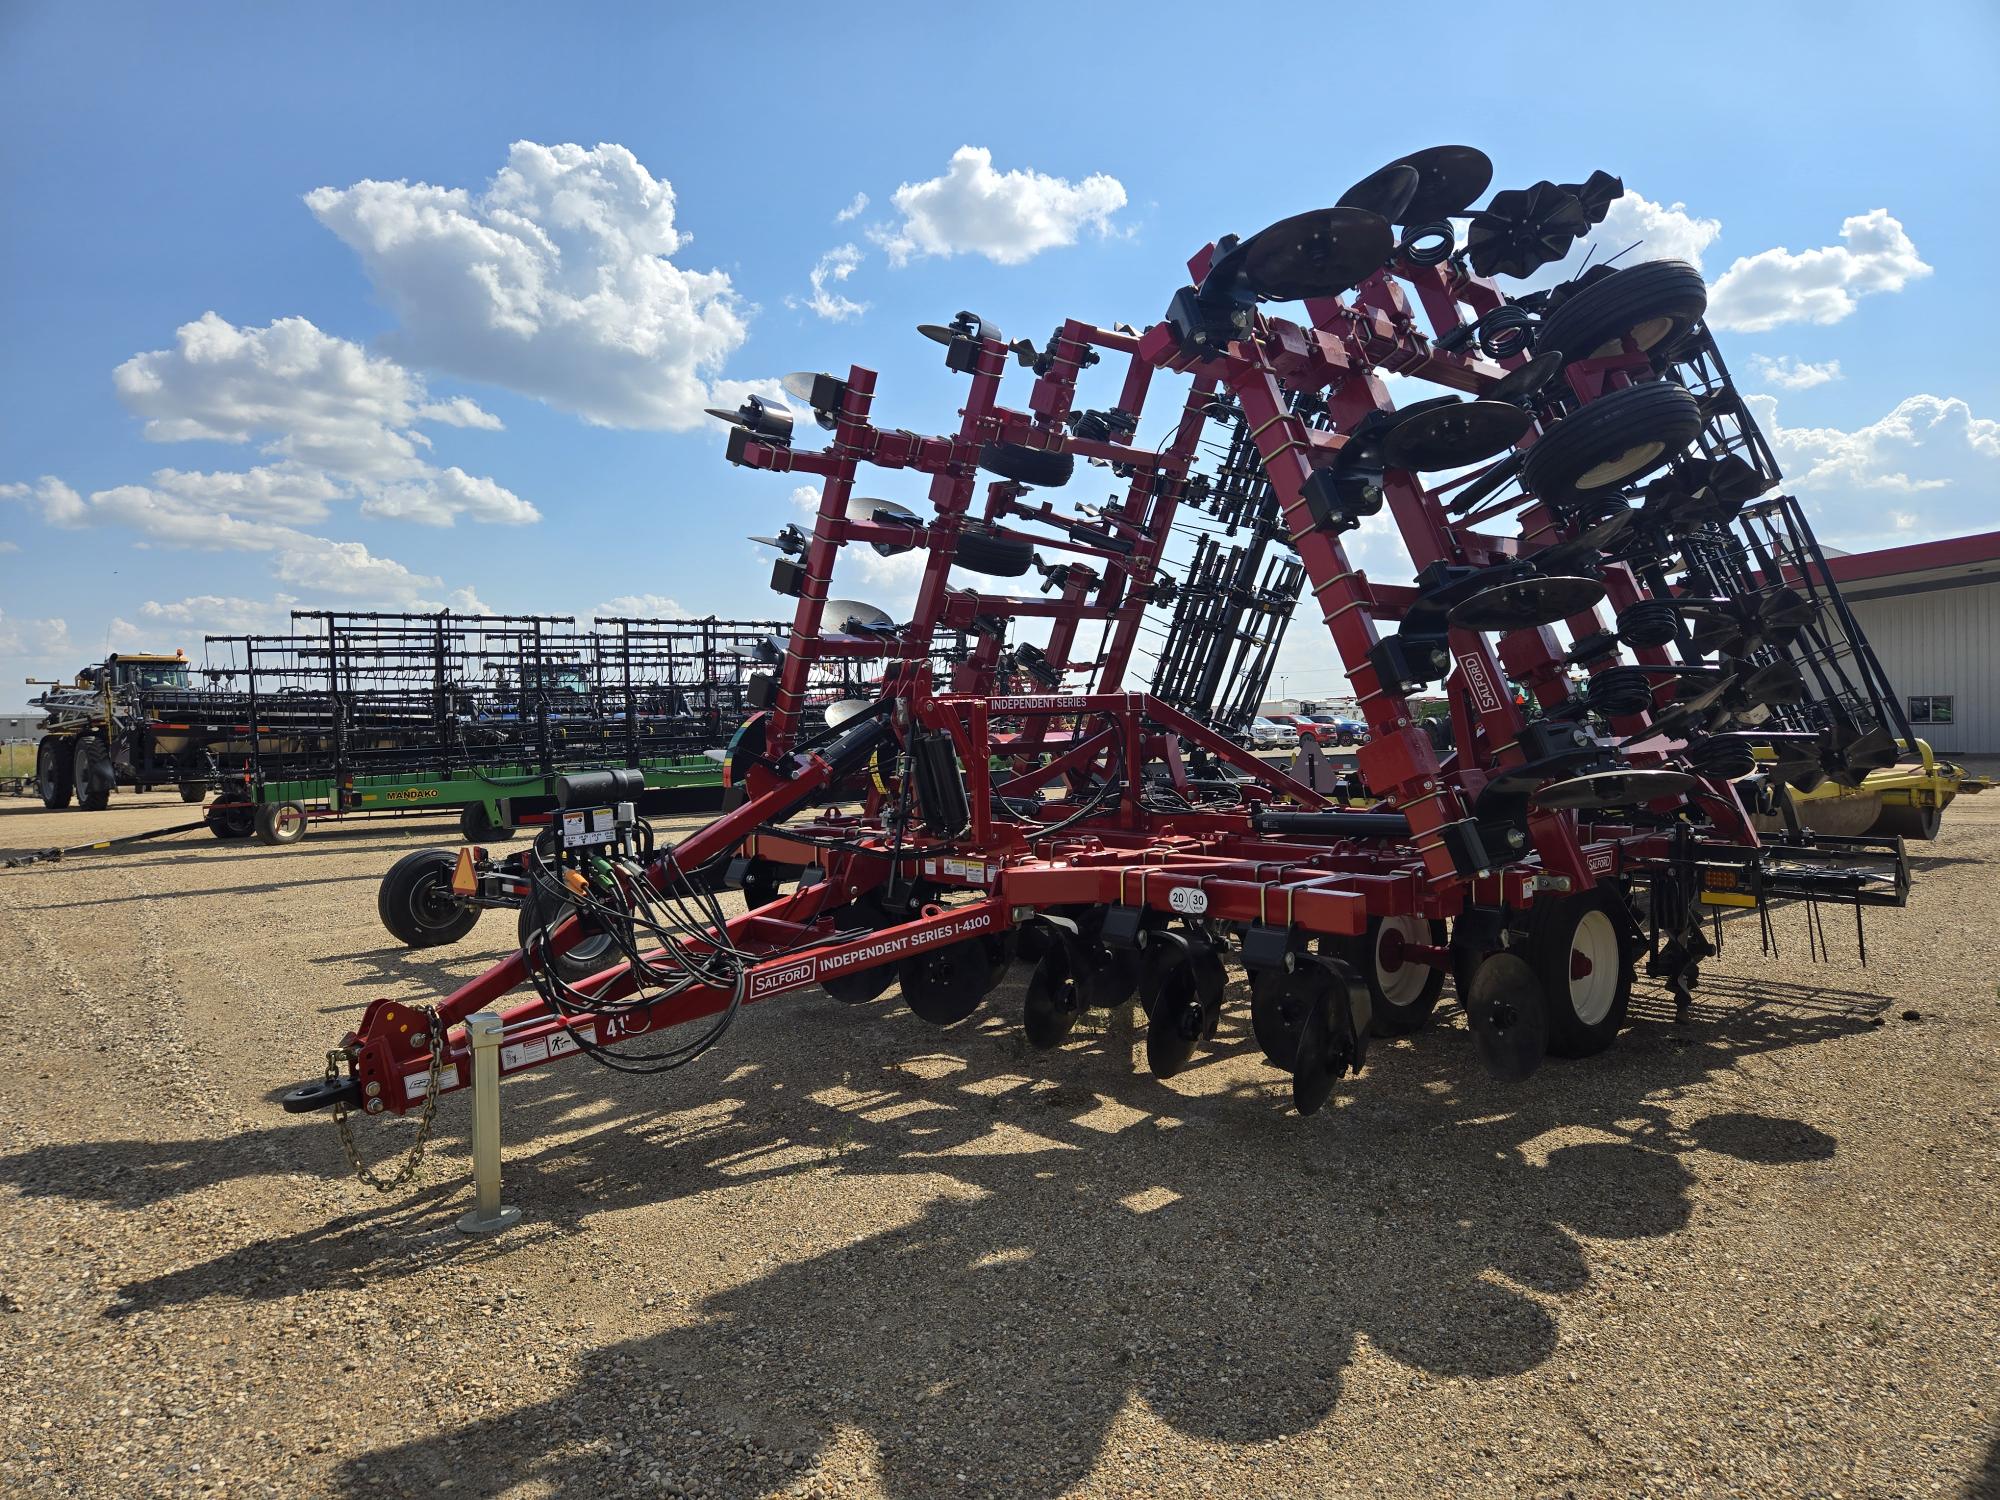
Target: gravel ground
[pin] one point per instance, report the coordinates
(850, 1255)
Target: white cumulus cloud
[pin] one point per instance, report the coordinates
(59, 504)
(1008, 217)
(556, 280)
(1764, 291)
(1789, 374)
(341, 422)
(640, 607)
(856, 206)
(1636, 229)
(828, 271)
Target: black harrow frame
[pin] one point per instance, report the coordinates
(1583, 501)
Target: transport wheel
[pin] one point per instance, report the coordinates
(1612, 440)
(193, 791)
(53, 773)
(415, 900)
(981, 550)
(1402, 992)
(92, 774)
(1027, 465)
(595, 950)
(946, 984)
(1911, 822)
(231, 820)
(1583, 957)
(477, 824)
(280, 823)
(1652, 304)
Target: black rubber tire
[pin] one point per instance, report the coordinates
(193, 791)
(92, 775)
(1655, 302)
(231, 820)
(414, 901)
(980, 551)
(1027, 465)
(280, 823)
(596, 950)
(54, 775)
(1397, 1006)
(1556, 925)
(1655, 420)
(1909, 821)
(478, 827)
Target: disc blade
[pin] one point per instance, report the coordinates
(799, 385)
(734, 419)
(1508, 1017)
(1050, 1007)
(1527, 602)
(1448, 437)
(1521, 383)
(1176, 1021)
(1386, 191)
(1321, 1055)
(852, 616)
(1450, 177)
(1317, 254)
(843, 710)
(945, 985)
(937, 333)
(1599, 790)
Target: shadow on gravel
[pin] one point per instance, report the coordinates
(1087, 1234)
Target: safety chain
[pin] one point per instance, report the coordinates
(335, 1058)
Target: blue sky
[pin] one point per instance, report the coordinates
(374, 416)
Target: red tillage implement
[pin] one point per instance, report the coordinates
(1638, 641)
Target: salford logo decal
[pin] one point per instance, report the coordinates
(1601, 861)
(1187, 900)
(866, 955)
(1484, 698)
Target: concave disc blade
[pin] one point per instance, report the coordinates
(1175, 1023)
(945, 985)
(841, 710)
(1386, 191)
(1447, 437)
(1529, 378)
(1508, 1017)
(1317, 254)
(1526, 602)
(1049, 1010)
(1608, 789)
(1451, 177)
(847, 616)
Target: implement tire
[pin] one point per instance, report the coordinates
(477, 824)
(54, 779)
(596, 950)
(1584, 956)
(1611, 441)
(415, 902)
(93, 775)
(1653, 304)
(281, 823)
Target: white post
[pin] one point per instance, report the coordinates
(488, 1215)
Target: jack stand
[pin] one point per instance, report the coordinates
(488, 1215)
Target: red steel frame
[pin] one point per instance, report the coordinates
(1129, 854)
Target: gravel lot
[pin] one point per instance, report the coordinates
(847, 1254)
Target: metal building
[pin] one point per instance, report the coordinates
(1932, 613)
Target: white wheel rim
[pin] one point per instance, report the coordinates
(1614, 469)
(290, 821)
(1404, 982)
(1650, 332)
(1593, 967)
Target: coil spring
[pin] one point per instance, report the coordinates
(1428, 244)
(1503, 332)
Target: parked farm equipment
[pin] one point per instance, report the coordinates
(1606, 538)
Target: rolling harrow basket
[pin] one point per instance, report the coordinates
(1636, 633)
